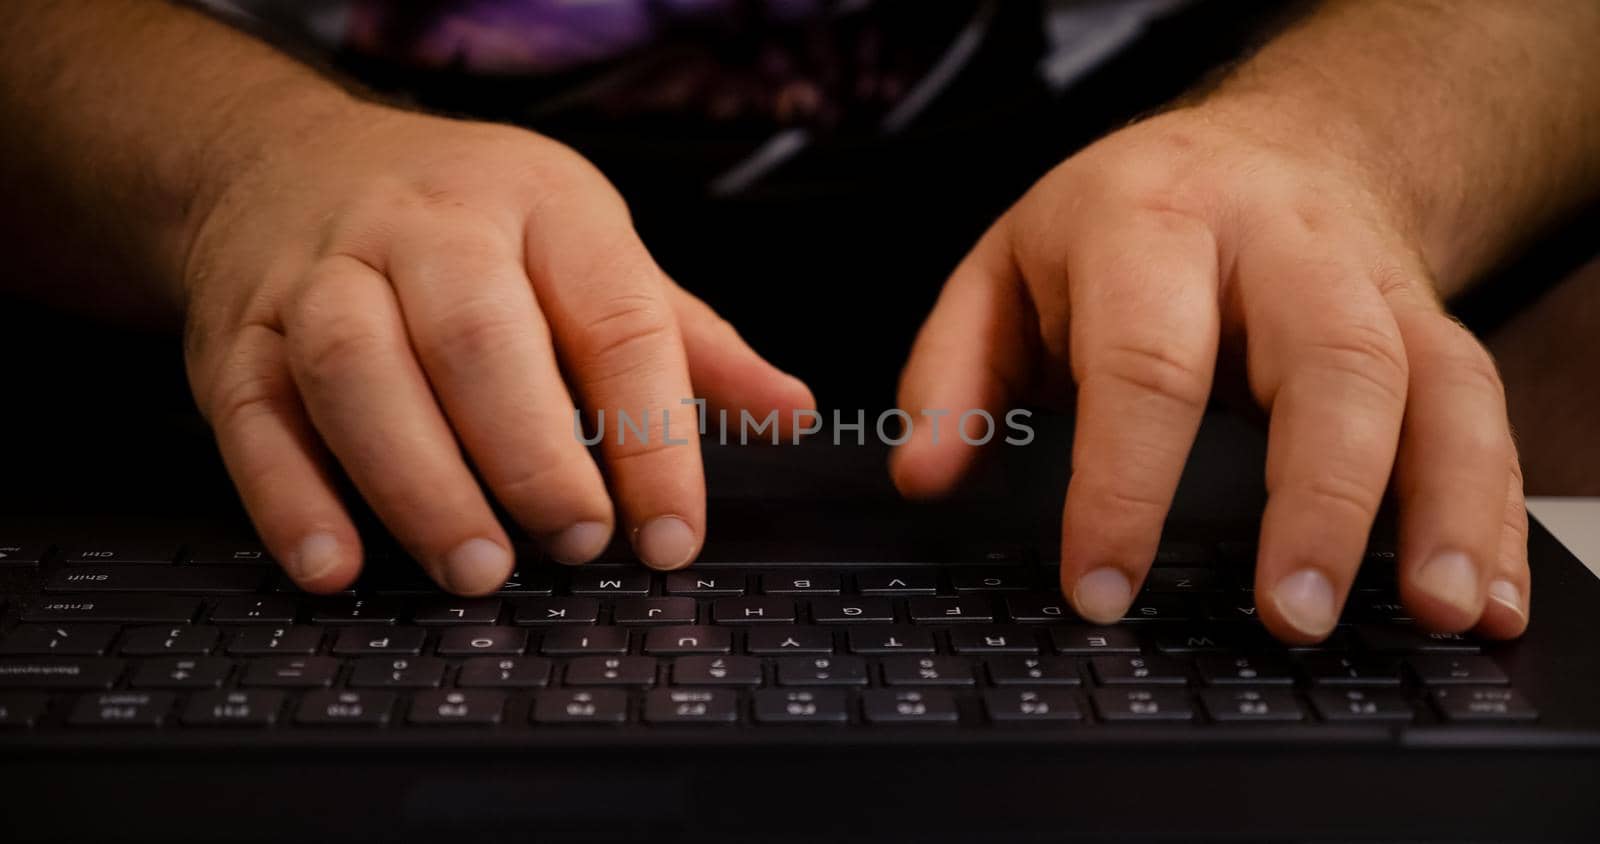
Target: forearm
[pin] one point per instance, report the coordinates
(126, 117)
(1480, 119)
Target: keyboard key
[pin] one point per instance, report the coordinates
(445, 708)
(1116, 705)
(994, 640)
(890, 640)
(457, 611)
(504, 673)
(883, 706)
(789, 640)
(654, 611)
(268, 609)
(691, 706)
(611, 671)
(610, 582)
(800, 583)
(852, 611)
(120, 553)
(181, 673)
(1463, 670)
(752, 611)
(1381, 609)
(345, 708)
(1038, 609)
(580, 706)
(121, 709)
(1361, 705)
(411, 672)
(112, 609)
(356, 611)
(822, 671)
(228, 553)
(1212, 639)
(156, 641)
(60, 639)
(471, 641)
(22, 553)
(1033, 671)
(1007, 706)
(299, 672)
(1246, 670)
(704, 584)
(267, 641)
(1354, 670)
(59, 672)
(716, 671)
(558, 611)
(1251, 705)
(927, 671)
(969, 609)
(22, 710)
(1399, 638)
(1082, 641)
(991, 579)
(1183, 580)
(1240, 606)
(688, 640)
(233, 708)
(569, 641)
(800, 706)
(1138, 670)
(360, 641)
(1183, 554)
(198, 580)
(1463, 703)
(911, 582)
(1148, 607)
(526, 584)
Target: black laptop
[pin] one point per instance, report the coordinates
(838, 666)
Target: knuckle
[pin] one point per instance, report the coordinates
(475, 330)
(244, 396)
(1365, 354)
(331, 341)
(625, 332)
(1335, 491)
(1152, 368)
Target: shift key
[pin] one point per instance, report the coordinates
(197, 580)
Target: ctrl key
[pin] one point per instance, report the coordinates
(121, 709)
(21, 710)
(1466, 703)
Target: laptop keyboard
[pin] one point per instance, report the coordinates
(153, 635)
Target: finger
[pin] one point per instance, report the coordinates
(1143, 347)
(1325, 358)
(1451, 469)
(486, 349)
(619, 341)
(367, 397)
(280, 470)
(974, 352)
(730, 376)
(1505, 616)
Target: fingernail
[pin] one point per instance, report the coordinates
(1103, 595)
(665, 542)
(317, 555)
(1451, 577)
(1506, 593)
(579, 543)
(477, 566)
(1305, 600)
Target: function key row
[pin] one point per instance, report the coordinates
(488, 707)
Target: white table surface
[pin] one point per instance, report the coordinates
(1574, 521)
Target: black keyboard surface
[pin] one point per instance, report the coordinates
(211, 636)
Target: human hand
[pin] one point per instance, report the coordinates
(410, 296)
(1126, 271)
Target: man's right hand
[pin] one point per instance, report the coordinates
(412, 296)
